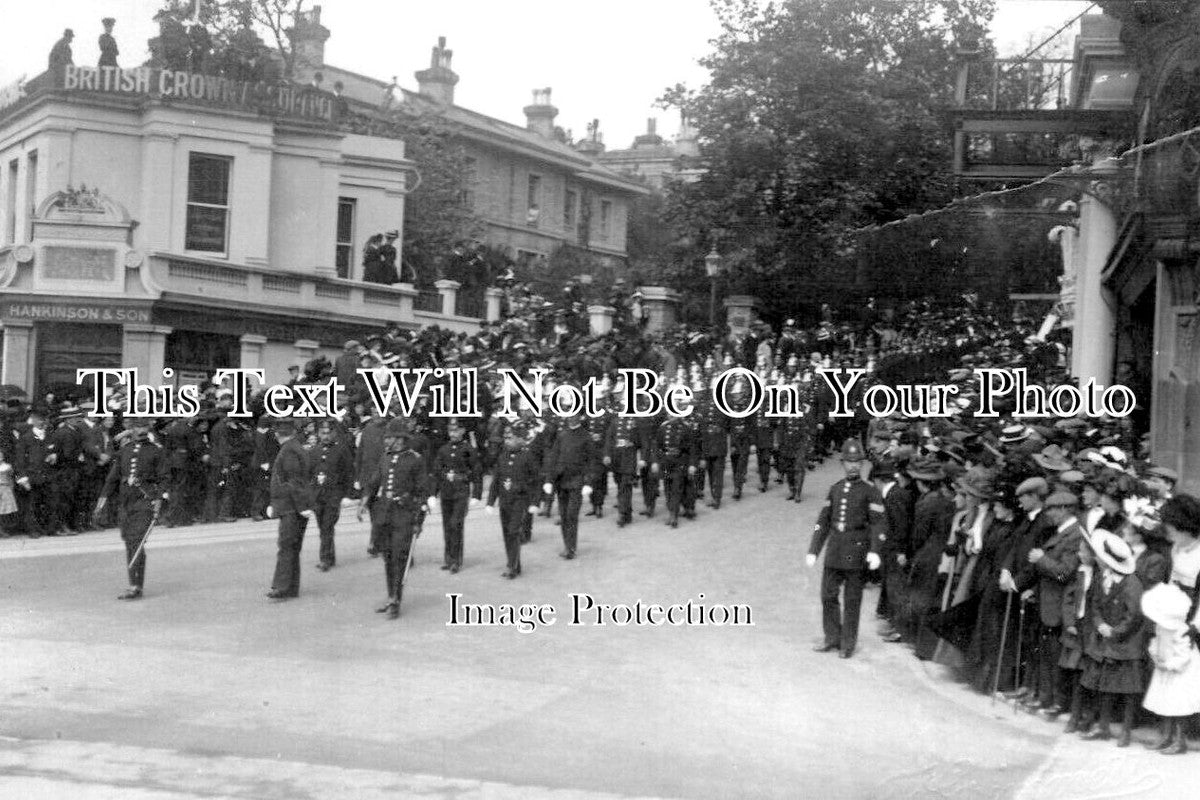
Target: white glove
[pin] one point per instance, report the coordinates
(310, 515)
(532, 509)
(265, 467)
(547, 488)
(474, 502)
(489, 510)
(431, 503)
(1006, 581)
(587, 491)
(873, 561)
(810, 560)
(901, 559)
(23, 483)
(270, 512)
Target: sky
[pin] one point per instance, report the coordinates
(608, 61)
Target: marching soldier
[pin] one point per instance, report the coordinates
(139, 472)
(456, 482)
(393, 492)
(292, 503)
(514, 484)
(568, 467)
(675, 461)
(332, 476)
(626, 452)
(714, 446)
(852, 522)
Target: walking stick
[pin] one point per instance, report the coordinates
(1020, 639)
(146, 535)
(1003, 636)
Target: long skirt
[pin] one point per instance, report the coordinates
(1114, 677)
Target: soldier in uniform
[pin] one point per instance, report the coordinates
(456, 481)
(674, 459)
(332, 476)
(292, 503)
(66, 459)
(108, 44)
(139, 472)
(568, 469)
(393, 493)
(32, 468)
(626, 451)
(514, 484)
(265, 450)
(714, 446)
(367, 458)
(852, 522)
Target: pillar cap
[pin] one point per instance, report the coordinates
(601, 310)
(446, 283)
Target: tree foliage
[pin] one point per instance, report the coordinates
(229, 39)
(820, 117)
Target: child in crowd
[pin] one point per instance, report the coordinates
(1174, 692)
(1115, 645)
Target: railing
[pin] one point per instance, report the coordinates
(1013, 84)
(469, 305)
(428, 301)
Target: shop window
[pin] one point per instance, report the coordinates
(63, 348)
(207, 228)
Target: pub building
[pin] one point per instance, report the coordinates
(153, 218)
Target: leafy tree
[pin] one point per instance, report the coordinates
(820, 117)
(227, 41)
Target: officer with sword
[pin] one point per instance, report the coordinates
(398, 488)
(138, 474)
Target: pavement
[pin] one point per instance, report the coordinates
(207, 689)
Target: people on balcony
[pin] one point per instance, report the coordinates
(379, 259)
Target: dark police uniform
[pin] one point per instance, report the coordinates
(714, 446)
(139, 472)
(741, 441)
(568, 466)
(332, 475)
(455, 472)
(394, 493)
(291, 496)
(674, 454)
(649, 477)
(625, 452)
(852, 523)
(514, 484)
(597, 428)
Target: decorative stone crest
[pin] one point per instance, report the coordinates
(82, 199)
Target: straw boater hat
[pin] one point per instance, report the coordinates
(1053, 458)
(1112, 551)
(1166, 605)
(1015, 433)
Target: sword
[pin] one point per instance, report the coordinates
(1020, 636)
(146, 535)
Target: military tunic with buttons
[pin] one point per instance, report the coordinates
(138, 474)
(850, 525)
(514, 484)
(397, 490)
(456, 475)
(626, 449)
(674, 451)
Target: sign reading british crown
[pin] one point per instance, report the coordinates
(271, 99)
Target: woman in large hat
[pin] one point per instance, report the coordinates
(1115, 644)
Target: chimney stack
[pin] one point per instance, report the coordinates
(438, 81)
(650, 138)
(308, 38)
(539, 115)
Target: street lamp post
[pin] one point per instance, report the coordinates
(712, 266)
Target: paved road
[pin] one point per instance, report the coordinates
(207, 689)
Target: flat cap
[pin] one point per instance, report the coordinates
(1036, 486)
(1062, 499)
